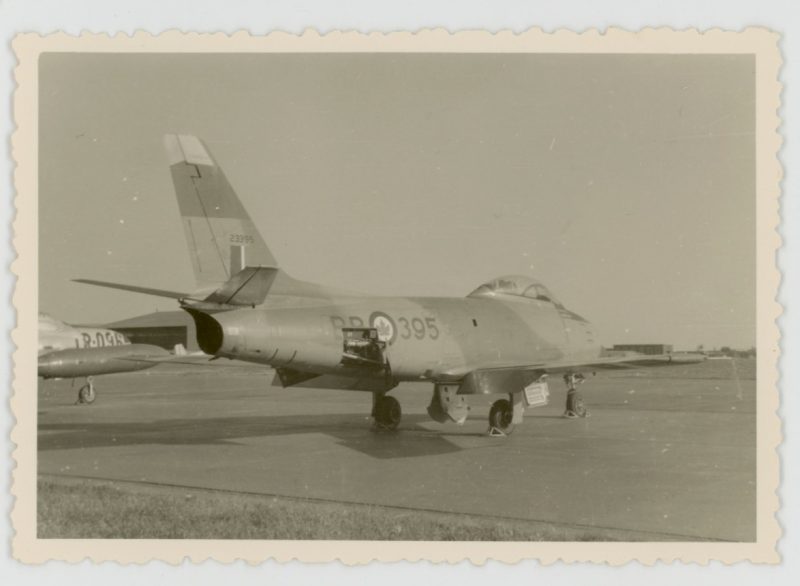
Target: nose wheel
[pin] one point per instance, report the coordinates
(575, 406)
(386, 413)
(87, 393)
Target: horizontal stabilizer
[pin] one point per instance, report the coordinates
(135, 289)
(248, 287)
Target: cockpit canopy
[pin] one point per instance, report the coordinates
(515, 286)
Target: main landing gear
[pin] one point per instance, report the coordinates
(87, 393)
(386, 412)
(501, 418)
(506, 413)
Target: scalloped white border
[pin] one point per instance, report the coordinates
(760, 42)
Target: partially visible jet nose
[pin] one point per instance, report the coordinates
(77, 362)
(54, 366)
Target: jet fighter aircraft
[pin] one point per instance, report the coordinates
(67, 351)
(504, 338)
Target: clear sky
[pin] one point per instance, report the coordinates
(625, 183)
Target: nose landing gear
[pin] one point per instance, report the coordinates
(87, 393)
(575, 407)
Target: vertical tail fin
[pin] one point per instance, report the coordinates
(221, 237)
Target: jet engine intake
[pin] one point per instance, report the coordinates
(209, 331)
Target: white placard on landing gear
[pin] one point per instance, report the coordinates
(537, 394)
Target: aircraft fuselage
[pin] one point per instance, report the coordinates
(426, 337)
(67, 351)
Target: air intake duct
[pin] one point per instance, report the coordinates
(209, 332)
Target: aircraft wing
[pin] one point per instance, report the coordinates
(203, 360)
(286, 378)
(629, 361)
(497, 379)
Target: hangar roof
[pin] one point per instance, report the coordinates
(154, 320)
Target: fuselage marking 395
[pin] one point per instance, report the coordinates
(390, 328)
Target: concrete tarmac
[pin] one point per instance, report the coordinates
(667, 453)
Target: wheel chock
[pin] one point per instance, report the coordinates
(381, 428)
(495, 432)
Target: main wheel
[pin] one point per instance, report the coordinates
(580, 408)
(501, 416)
(575, 405)
(388, 413)
(87, 394)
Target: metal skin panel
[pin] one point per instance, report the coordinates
(427, 338)
(210, 244)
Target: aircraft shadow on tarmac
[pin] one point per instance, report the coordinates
(351, 431)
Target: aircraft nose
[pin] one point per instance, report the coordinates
(49, 366)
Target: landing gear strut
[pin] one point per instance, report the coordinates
(575, 407)
(87, 394)
(386, 412)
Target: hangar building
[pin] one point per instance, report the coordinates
(644, 348)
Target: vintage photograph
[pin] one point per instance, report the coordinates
(400, 296)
